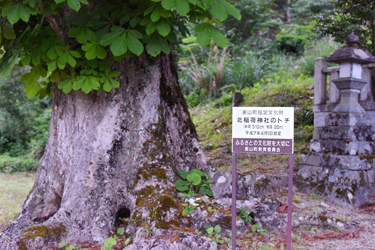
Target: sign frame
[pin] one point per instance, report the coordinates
(262, 130)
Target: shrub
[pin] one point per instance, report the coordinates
(10, 164)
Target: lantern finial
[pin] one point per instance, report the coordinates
(352, 40)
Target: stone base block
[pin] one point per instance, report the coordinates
(347, 188)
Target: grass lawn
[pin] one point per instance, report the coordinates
(14, 189)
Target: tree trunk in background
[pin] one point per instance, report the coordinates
(111, 155)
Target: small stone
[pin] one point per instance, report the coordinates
(192, 202)
(221, 179)
(324, 204)
(350, 196)
(204, 214)
(340, 224)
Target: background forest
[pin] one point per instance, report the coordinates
(271, 50)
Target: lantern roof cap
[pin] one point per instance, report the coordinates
(351, 52)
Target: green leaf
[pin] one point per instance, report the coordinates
(109, 38)
(66, 85)
(168, 4)
(183, 174)
(94, 50)
(210, 230)
(205, 191)
(15, 12)
(121, 231)
(156, 44)
(54, 77)
(8, 31)
(182, 7)
(206, 32)
(194, 179)
(219, 38)
(74, 53)
(232, 10)
(197, 171)
(182, 185)
(74, 4)
(194, 2)
(114, 74)
(26, 60)
(207, 3)
(71, 61)
(115, 83)
(151, 27)
(135, 33)
(32, 87)
(52, 65)
(204, 35)
(62, 244)
(120, 45)
(109, 242)
(163, 27)
(217, 229)
(60, 1)
(158, 12)
(107, 85)
(218, 10)
(51, 53)
(86, 83)
(8, 63)
(82, 34)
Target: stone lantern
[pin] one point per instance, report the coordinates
(350, 82)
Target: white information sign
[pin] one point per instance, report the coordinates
(263, 130)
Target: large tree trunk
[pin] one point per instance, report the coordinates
(111, 155)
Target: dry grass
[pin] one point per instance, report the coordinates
(13, 192)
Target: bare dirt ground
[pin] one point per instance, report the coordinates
(321, 224)
(317, 224)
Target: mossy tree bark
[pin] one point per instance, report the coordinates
(111, 155)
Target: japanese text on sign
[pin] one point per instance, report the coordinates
(267, 130)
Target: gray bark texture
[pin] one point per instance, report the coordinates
(111, 155)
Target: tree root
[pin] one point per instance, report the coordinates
(335, 235)
(367, 208)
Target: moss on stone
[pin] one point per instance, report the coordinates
(362, 181)
(143, 194)
(22, 245)
(225, 221)
(162, 206)
(147, 171)
(137, 218)
(44, 232)
(367, 157)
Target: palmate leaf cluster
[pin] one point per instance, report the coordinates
(75, 42)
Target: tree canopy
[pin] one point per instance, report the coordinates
(350, 16)
(73, 42)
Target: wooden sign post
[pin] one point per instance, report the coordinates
(262, 130)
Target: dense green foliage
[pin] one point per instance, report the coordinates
(74, 43)
(350, 15)
(264, 52)
(23, 123)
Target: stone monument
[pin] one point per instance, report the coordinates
(340, 162)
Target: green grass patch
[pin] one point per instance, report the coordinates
(14, 189)
(214, 122)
